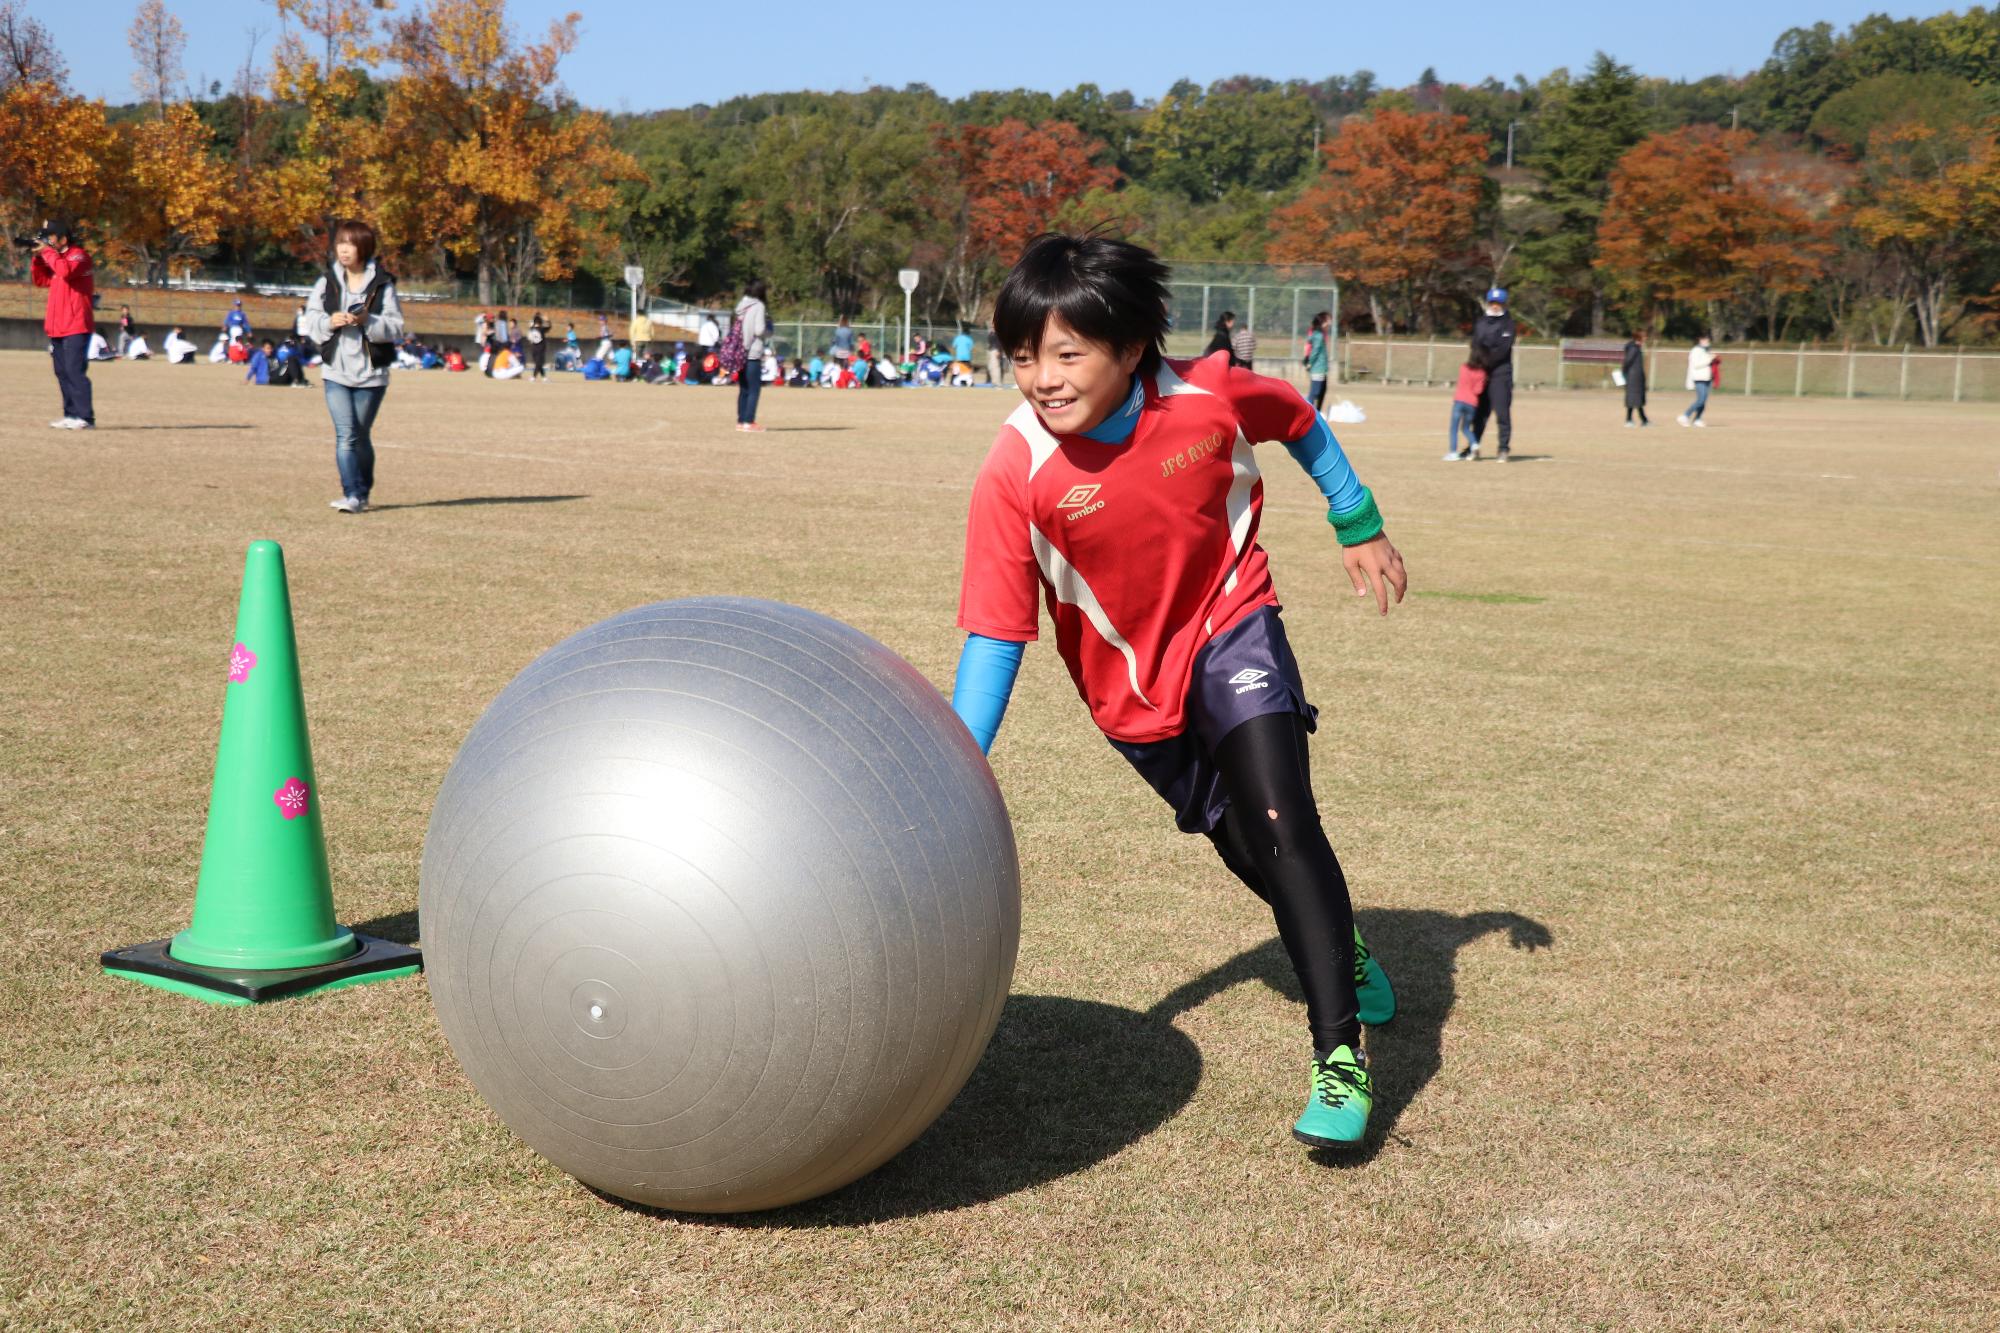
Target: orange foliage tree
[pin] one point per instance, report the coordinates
(1931, 200)
(481, 159)
(1681, 226)
(57, 155)
(1393, 209)
(1007, 183)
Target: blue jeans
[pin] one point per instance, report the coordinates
(1315, 392)
(1701, 388)
(1461, 415)
(353, 412)
(749, 385)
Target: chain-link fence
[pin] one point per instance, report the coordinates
(1949, 375)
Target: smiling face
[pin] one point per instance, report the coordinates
(1074, 383)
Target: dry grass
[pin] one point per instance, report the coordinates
(1733, 764)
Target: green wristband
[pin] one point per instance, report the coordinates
(1361, 524)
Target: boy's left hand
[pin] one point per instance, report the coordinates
(1376, 566)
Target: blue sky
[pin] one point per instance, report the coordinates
(640, 55)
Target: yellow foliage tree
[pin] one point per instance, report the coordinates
(56, 154)
(482, 160)
(173, 194)
(326, 174)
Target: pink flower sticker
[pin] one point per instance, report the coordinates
(292, 798)
(241, 659)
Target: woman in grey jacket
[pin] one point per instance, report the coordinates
(354, 317)
(753, 322)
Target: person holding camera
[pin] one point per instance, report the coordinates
(354, 317)
(63, 267)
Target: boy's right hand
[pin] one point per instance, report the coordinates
(1376, 566)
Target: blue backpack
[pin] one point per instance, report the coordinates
(593, 369)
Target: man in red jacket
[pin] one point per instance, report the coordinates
(64, 268)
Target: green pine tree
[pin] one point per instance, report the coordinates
(1582, 130)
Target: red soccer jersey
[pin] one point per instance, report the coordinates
(1144, 550)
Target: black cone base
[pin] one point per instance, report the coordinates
(150, 963)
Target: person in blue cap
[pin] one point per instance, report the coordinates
(1493, 340)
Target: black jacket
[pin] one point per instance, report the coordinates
(1493, 336)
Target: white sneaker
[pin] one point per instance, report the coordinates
(1630, 424)
(1451, 455)
(1682, 418)
(67, 423)
(1699, 422)
(77, 423)
(347, 504)
(1471, 455)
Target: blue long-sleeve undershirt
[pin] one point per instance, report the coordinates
(987, 667)
(986, 671)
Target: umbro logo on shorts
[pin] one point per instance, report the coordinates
(1248, 679)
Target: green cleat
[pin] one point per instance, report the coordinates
(1376, 1000)
(1337, 1106)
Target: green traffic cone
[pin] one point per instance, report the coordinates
(263, 906)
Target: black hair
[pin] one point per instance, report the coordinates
(755, 289)
(1224, 320)
(1109, 291)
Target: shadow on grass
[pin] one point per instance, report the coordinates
(1064, 1084)
(477, 500)
(1419, 950)
(397, 927)
(236, 425)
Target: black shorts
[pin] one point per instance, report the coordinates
(1246, 671)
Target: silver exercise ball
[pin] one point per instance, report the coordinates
(719, 904)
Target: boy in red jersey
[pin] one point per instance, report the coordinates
(1125, 492)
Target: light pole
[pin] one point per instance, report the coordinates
(1510, 143)
(634, 278)
(907, 279)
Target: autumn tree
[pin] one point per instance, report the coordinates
(157, 40)
(57, 155)
(482, 158)
(172, 194)
(1393, 210)
(320, 68)
(1932, 200)
(1682, 226)
(1009, 182)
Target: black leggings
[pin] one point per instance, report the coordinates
(1640, 408)
(1271, 839)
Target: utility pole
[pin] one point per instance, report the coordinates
(1732, 117)
(1510, 143)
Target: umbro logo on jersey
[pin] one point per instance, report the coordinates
(1248, 679)
(1079, 501)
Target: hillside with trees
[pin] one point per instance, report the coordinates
(1847, 190)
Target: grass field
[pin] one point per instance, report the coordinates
(1669, 801)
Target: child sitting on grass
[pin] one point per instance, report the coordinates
(1122, 464)
(1465, 406)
